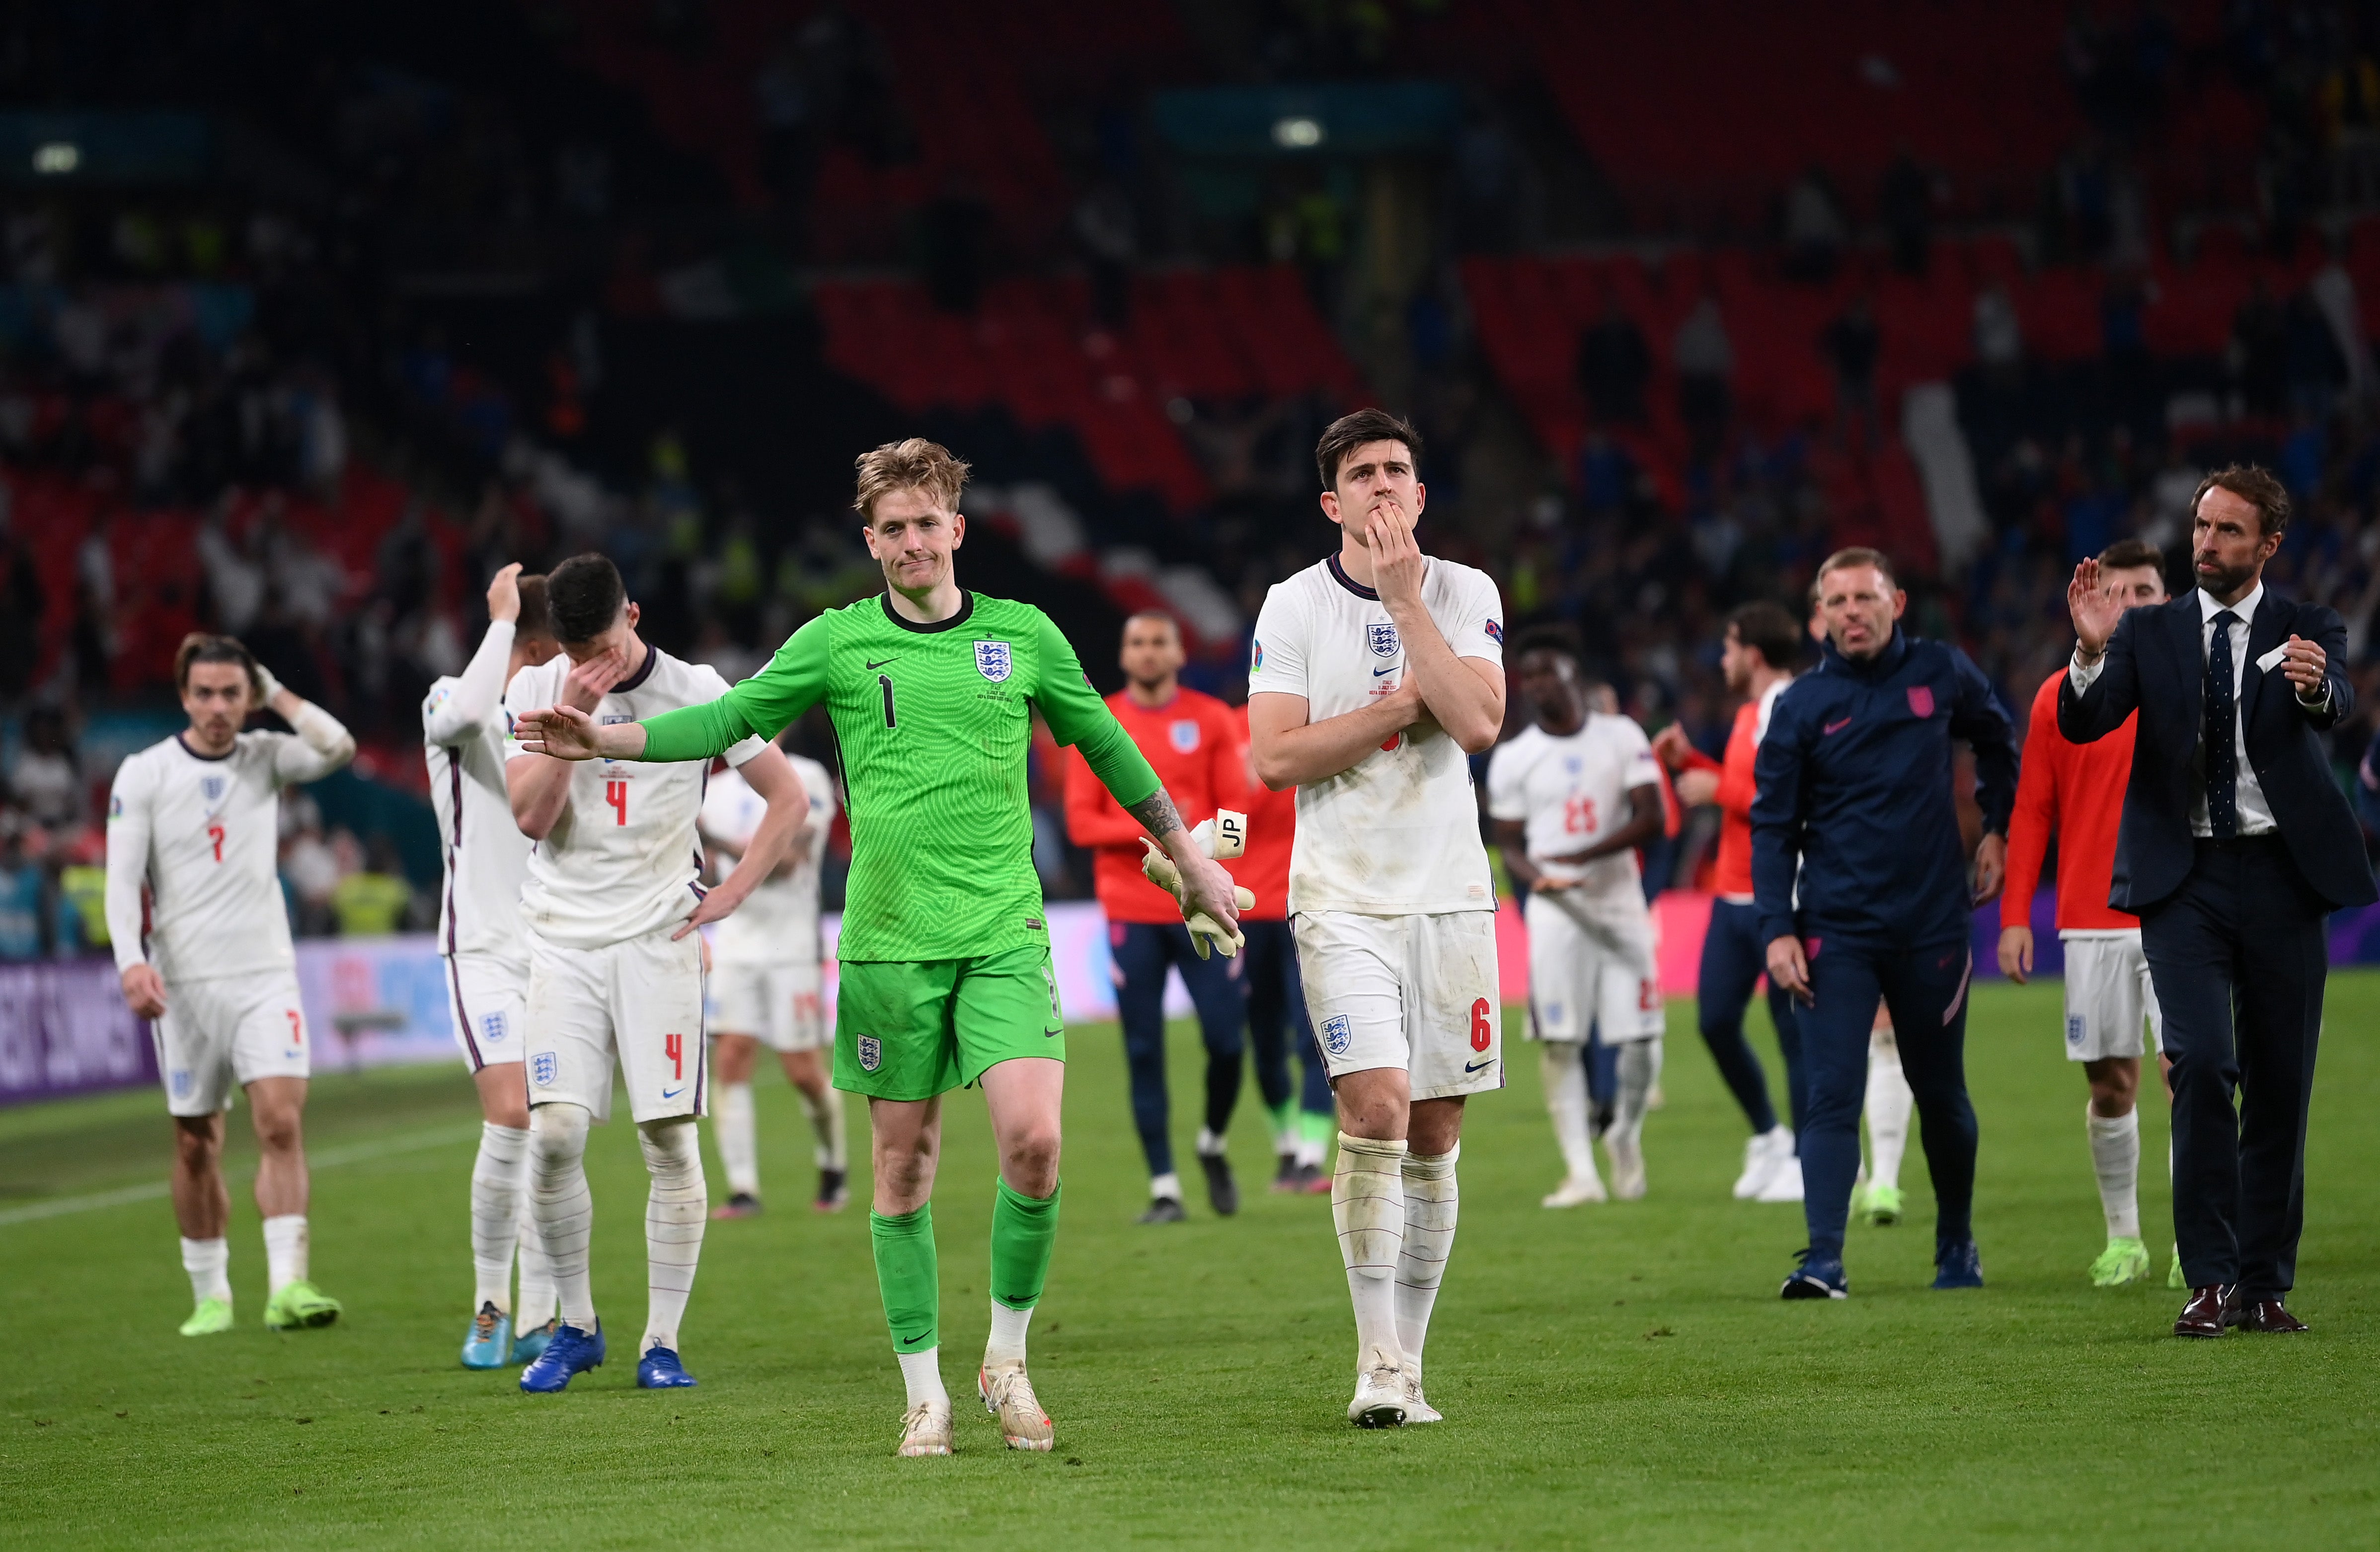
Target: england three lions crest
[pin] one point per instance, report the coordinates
(991, 660)
(1383, 639)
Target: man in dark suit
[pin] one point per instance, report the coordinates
(2235, 844)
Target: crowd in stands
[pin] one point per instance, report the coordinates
(227, 407)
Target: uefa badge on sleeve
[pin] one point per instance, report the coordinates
(1337, 1034)
(991, 660)
(871, 1050)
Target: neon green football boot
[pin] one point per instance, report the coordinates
(1883, 1205)
(2173, 1278)
(300, 1304)
(2122, 1263)
(212, 1317)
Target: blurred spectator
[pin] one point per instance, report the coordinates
(1705, 363)
(1905, 198)
(1999, 338)
(1107, 233)
(22, 600)
(2259, 352)
(1614, 366)
(1851, 343)
(27, 901)
(309, 865)
(46, 781)
(1812, 228)
(373, 900)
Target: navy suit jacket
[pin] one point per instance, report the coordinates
(2157, 665)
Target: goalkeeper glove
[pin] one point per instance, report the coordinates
(1207, 934)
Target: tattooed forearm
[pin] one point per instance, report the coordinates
(1157, 814)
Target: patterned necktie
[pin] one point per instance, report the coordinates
(2222, 753)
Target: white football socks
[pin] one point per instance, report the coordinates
(208, 1263)
(2115, 1158)
(1006, 1344)
(495, 1212)
(1640, 1071)
(565, 1209)
(1367, 1203)
(1431, 1199)
(1565, 1083)
(284, 1250)
(675, 1211)
(535, 1306)
(1888, 1104)
(825, 1110)
(921, 1373)
(1167, 1184)
(731, 1122)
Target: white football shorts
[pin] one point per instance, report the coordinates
(1415, 992)
(2110, 1000)
(639, 1001)
(1592, 963)
(487, 997)
(229, 1030)
(777, 1002)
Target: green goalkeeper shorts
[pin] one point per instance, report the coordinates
(910, 1029)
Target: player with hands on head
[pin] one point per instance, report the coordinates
(611, 906)
(1861, 882)
(946, 976)
(464, 728)
(202, 940)
(1571, 797)
(1373, 678)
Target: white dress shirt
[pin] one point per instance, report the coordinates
(2255, 814)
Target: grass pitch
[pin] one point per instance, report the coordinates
(1619, 1375)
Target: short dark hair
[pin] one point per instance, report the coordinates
(584, 595)
(1857, 555)
(1348, 432)
(2128, 554)
(536, 618)
(2252, 483)
(200, 646)
(1554, 636)
(1769, 629)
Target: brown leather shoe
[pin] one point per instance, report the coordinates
(2204, 1315)
(2261, 1314)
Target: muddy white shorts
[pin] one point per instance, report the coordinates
(641, 1000)
(487, 997)
(1416, 992)
(229, 1031)
(1591, 965)
(777, 1002)
(2110, 1000)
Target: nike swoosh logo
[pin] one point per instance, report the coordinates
(1050, 1033)
(880, 663)
(1378, 671)
(1475, 1066)
(1833, 728)
(672, 1093)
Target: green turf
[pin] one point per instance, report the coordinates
(1621, 1375)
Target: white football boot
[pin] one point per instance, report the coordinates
(1417, 1410)
(1008, 1395)
(1576, 1191)
(1761, 1155)
(1380, 1397)
(1627, 1168)
(926, 1430)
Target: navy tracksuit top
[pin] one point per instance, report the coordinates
(1853, 788)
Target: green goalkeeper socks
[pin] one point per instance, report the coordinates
(1023, 1230)
(907, 1274)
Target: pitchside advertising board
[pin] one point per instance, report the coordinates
(63, 1027)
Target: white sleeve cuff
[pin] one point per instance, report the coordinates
(2083, 675)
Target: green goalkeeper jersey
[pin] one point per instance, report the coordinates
(934, 723)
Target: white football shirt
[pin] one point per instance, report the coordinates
(204, 835)
(464, 725)
(1397, 833)
(778, 923)
(1570, 792)
(623, 860)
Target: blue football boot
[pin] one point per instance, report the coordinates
(570, 1351)
(489, 1343)
(1957, 1265)
(659, 1369)
(1817, 1278)
(528, 1344)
